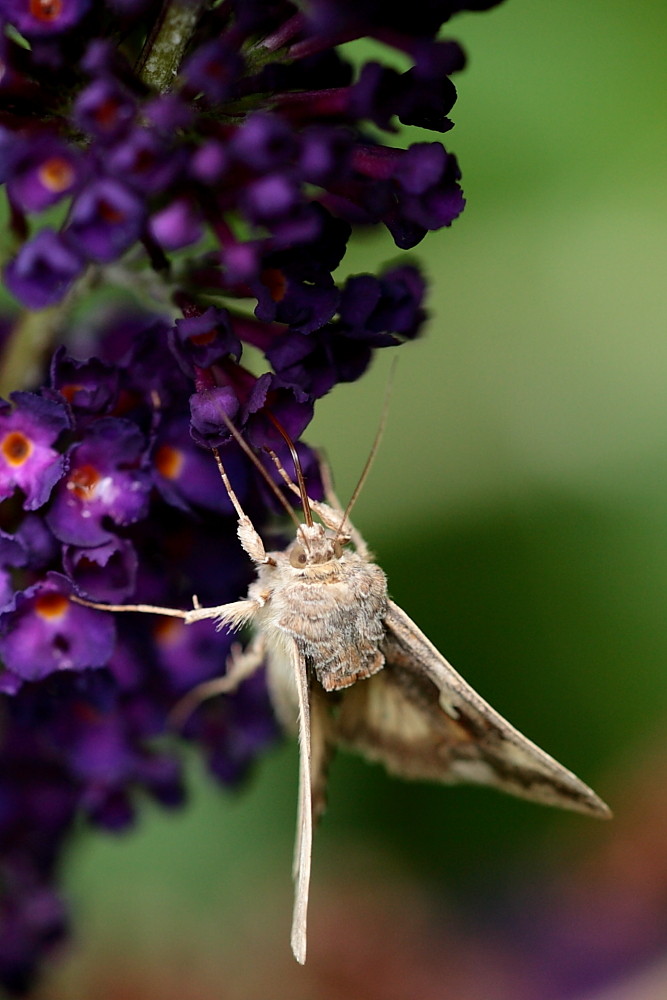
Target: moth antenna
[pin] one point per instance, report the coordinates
(243, 444)
(305, 502)
(373, 452)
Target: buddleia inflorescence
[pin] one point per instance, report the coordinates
(182, 180)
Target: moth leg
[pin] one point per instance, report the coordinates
(241, 664)
(149, 609)
(235, 614)
(304, 834)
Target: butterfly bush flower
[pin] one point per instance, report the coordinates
(29, 462)
(182, 182)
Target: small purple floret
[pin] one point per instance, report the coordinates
(177, 225)
(44, 19)
(104, 109)
(44, 172)
(28, 460)
(106, 219)
(104, 572)
(44, 269)
(42, 631)
(106, 483)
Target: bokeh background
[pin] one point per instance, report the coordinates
(518, 506)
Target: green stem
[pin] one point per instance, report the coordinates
(27, 346)
(163, 51)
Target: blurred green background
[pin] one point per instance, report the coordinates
(517, 504)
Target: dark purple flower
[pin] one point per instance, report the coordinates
(28, 460)
(340, 17)
(44, 269)
(145, 160)
(106, 219)
(104, 572)
(271, 198)
(186, 474)
(168, 114)
(213, 70)
(90, 387)
(12, 552)
(139, 344)
(44, 17)
(315, 261)
(38, 543)
(177, 225)
(374, 309)
(33, 921)
(304, 306)
(44, 172)
(233, 730)
(250, 402)
(315, 364)
(291, 406)
(43, 631)
(265, 143)
(106, 483)
(104, 109)
(209, 162)
(325, 155)
(426, 97)
(242, 262)
(190, 654)
(415, 189)
(206, 410)
(200, 341)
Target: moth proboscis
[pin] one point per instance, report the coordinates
(347, 667)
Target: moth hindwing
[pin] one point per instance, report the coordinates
(347, 667)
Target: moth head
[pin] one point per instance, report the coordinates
(314, 544)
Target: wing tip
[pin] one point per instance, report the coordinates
(298, 943)
(594, 806)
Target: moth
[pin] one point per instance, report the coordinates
(348, 668)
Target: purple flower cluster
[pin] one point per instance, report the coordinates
(216, 159)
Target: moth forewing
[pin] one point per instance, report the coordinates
(423, 720)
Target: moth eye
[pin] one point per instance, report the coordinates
(338, 548)
(298, 557)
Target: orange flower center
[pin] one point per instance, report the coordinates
(202, 339)
(46, 10)
(167, 630)
(109, 213)
(70, 391)
(83, 482)
(16, 448)
(169, 461)
(56, 174)
(276, 283)
(106, 113)
(50, 606)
